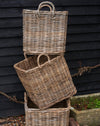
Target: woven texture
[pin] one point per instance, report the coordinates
(49, 117)
(46, 83)
(44, 31)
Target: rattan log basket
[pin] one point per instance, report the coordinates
(44, 31)
(46, 83)
(58, 115)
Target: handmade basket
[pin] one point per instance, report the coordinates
(58, 115)
(46, 83)
(44, 31)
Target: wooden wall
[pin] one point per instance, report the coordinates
(83, 46)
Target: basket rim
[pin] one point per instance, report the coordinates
(37, 67)
(31, 11)
(48, 110)
(45, 110)
(37, 52)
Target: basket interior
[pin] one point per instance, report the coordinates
(62, 104)
(31, 62)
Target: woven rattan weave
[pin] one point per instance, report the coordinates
(58, 115)
(44, 31)
(46, 83)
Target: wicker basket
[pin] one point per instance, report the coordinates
(44, 31)
(46, 83)
(58, 115)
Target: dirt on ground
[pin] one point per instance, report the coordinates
(13, 121)
(20, 121)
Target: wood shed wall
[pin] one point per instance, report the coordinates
(83, 46)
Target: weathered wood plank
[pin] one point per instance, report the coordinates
(83, 37)
(73, 66)
(72, 20)
(86, 78)
(88, 86)
(9, 79)
(13, 79)
(78, 55)
(71, 55)
(10, 22)
(25, 3)
(76, 29)
(72, 30)
(10, 60)
(6, 71)
(85, 45)
(83, 62)
(11, 42)
(88, 92)
(82, 46)
(70, 37)
(13, 32)
(9, 70)
(93, 71)
(19, 95)
(12, 111)
(73, 10)
(83, 19)
(11, 51)
(11, 88)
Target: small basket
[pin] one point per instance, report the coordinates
(47, 82)
(44, 31)
(58, 115)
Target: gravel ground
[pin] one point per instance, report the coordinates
(20, 121)
(13, 121)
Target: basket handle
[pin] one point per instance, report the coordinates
(25, 55)
(68, 102)
(38, 59)
(47, 4)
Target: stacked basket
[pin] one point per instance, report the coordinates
(45, 75)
